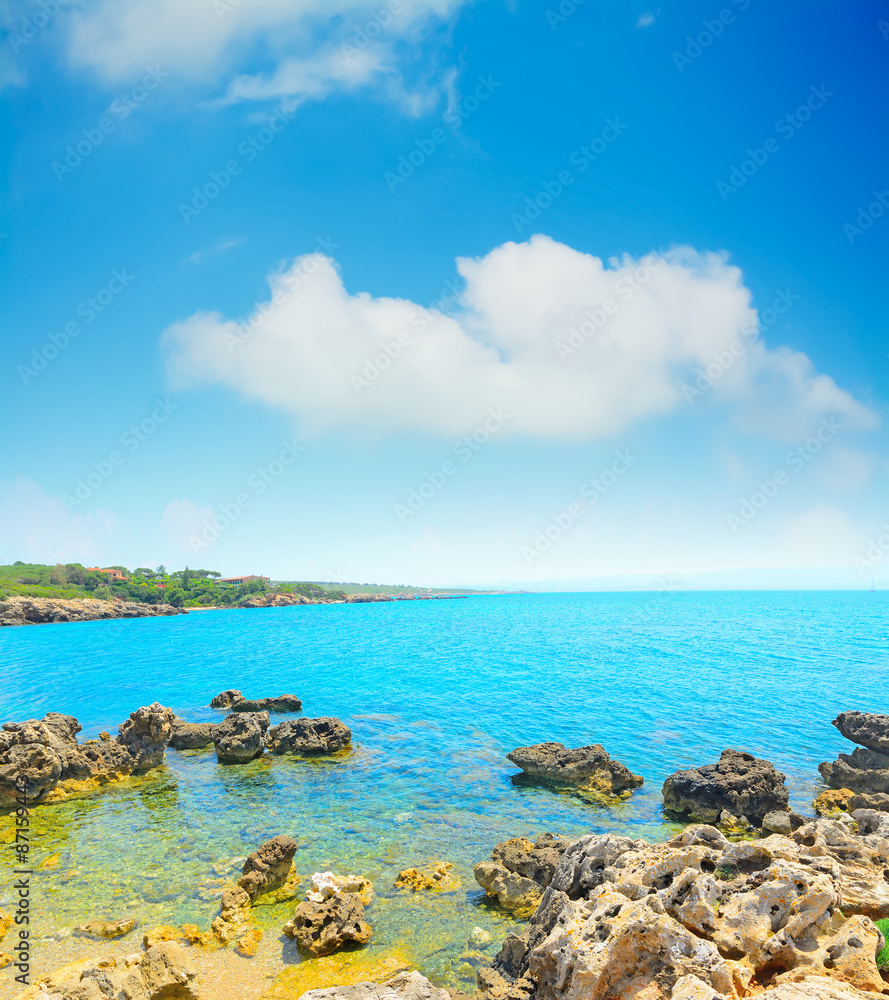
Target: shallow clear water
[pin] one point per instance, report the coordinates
(436, 693)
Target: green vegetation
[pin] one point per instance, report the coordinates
(883, 953)
(187, 588)
(393, 590)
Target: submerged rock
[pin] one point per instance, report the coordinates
(241, 737)
(519, 871)
(405, 986)
(323, 928)
(105, 929)
(589, 767)
(433, 876)
(309, 736)
(267, 869)
(234, 914)
(192, 735)
(235, 701)
(699, 917)
(740, 784)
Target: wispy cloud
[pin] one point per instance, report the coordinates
(647, 19)
(218, 248)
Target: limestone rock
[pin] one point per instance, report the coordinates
(34, 767)
(241, 737)
(699, 918)
(405, 986)
(740, 783)
(309, 736)
(519, 871)
(168, 972)
(866, 729)
(326, 884)
(833, 802)
(433, 876)
(323, 928)
(43, 610)
(777, 822)
(267, 869)
(192, 735)
(234, 914)
(589, 767)
(235, 701)
(107, 929)
(146, 735)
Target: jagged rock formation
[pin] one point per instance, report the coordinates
(267, 869)
(241, 737)
(236, 702)
(309, 736)
(740, 784)
(519, 871)
(590, 768)
(323, 928)
(864, 772)
(700, 918)
(405, 986)
(164, 972)
(45, 758)
(192, 735)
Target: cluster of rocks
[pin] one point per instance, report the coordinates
(701, 918)
(43, 610)
(862, 775)
(588, 768)
(436, 876)
(234, 701)
(520, 871)
(45, 759)
(164, 972)
(244, 736)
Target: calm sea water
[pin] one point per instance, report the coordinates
(436, 693)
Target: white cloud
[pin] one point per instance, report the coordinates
(36, 527)
(317, 46)
(647, 19)
(325, 355)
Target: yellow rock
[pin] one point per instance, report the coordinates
(341, 969)
(194, 935)
(104, 736)
(6, 921)
(105, 928)
(158, 934)
(833, 802)
(287, 892)
(437, 875)
(5, 959)
(247, 945)
(52, 862)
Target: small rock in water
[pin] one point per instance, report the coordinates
(434, 876)
(323, 928)
(480, 936)
(326, 885)
(589, 767)
(267, 869)
(107, 929)
(247, 945)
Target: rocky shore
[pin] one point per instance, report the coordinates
(44, 610)
(749, 899)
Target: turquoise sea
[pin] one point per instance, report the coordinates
(436, 693)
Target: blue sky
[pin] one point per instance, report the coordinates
(206, 196)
